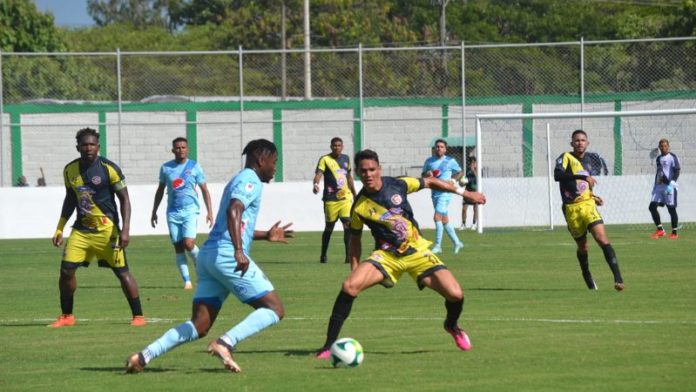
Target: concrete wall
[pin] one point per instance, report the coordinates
(33, 212)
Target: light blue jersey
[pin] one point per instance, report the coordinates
(181, 180)
(447, 167)
(245, 187)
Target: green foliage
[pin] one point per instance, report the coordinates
(24, 29)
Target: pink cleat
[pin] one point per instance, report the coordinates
(323, 353)
(460, 337)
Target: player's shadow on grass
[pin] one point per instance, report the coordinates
(514, 289)
(118, 287)
(121, 369)
(312, 353)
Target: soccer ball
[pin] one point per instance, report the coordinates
(346, 352)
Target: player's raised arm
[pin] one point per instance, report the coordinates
(449, 186)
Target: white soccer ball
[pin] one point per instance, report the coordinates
(346, 352)
(463, 181)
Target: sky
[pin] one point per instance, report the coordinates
(67, 13)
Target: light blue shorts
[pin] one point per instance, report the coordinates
(441, 204)
(217, 278)
(182, 226)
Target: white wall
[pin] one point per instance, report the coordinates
(33, 212)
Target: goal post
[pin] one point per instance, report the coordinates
(516, 171)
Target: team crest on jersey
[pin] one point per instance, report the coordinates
(396, 199)
(249, 187)
(178, 183)
(96, 180)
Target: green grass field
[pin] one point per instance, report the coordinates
(533, 324)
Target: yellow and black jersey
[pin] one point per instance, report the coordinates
(94, 186)
(571, 173)
(336, 172)
(389, 215)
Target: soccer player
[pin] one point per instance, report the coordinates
(470, 186)
(445, 168)
(91, 182)
(580, 208)
(181, 176)
(339, 189)
(225, 267)
(664, 191)
(383, 206)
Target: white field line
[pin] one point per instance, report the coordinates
(157, 320)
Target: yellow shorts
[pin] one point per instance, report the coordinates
(85, 247)
(419, 265)
(333, 210)
(581, 216)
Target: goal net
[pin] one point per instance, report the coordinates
(516, 168)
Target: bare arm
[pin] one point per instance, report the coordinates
(69, 204)
(315, 181)
(351, 184)
(124, 200)
(158, 199)
(276, 233)
(208, 204)
(234, 227)
(447, 186)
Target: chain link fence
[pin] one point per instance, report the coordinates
(394, 100)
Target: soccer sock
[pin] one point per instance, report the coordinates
(454, 310)
(655, 215)
(451, 233)
(183, 266)
(193, 254)
(66, 303)
(326, 237)
(438, 233)
(255, 322)
(674, 218)
(176, 336)
(135, 306)
(610, 257)
(585, 268)
(339, 314)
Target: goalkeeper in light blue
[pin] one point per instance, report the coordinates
(225, 267)
(444, 168)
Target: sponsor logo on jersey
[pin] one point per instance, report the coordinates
(178, 184)
(96, 180)
(396, 199)
(249, 187)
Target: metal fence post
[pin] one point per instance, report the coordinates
(241, 106)
(582, 80)
(120, 105)
(361, 107)
(2, 129)
(463, 77)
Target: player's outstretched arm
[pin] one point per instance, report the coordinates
(276, 233)
(448, 186)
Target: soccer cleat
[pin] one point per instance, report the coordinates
(64, 320)
(138, 321)
(322, 259)
(436, 249)
(458, 247)
(135, 363)
(592, 285)
(323, 353)
(618, 286)
(188, 286)
(219, 349)
(460, 337)
(463, 227)
(673, 236)
(657, 234)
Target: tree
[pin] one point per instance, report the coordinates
(24, 29)
(139, 13)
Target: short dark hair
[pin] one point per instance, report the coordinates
(366, 154)
(443, 141)
(336, 139)
(578, 131)
(258, 148)
(179, 139)
(86, 132)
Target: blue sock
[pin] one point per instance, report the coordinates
(193, 254)
(183, 267)
(257, 321)
(438, 233)
(451, 233)
(176, 336)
